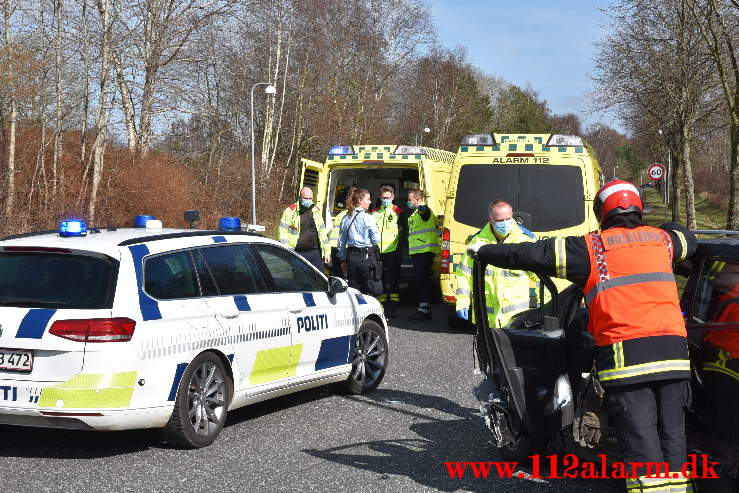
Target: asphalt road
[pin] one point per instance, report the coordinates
(395, 439)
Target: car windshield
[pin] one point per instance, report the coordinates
(552, 195)
(44, 280)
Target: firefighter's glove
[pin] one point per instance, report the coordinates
(473, 248)
(463, 313)
(590, 427)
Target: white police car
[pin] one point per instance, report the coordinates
(112, 329)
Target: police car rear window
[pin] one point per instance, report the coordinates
(41, 280)
(551, 194)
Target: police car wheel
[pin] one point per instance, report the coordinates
(369, 358)
(201, 404)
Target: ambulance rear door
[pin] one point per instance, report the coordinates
(314, 175)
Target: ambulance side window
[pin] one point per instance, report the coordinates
(232, 268)
(170, 276)
(289, 272)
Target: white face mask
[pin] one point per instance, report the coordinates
(503, 227)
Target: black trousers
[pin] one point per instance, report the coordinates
(357, 270)
(422, 263)
(336, 263)
(391, 272)
(314, 257)
(649, 419)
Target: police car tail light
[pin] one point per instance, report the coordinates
(557, 140)
(445, 251)
(119, 329)
(73, 227)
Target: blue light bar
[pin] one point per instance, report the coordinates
(341, 150)
(73, 227)
(140, 221)
(229, 224)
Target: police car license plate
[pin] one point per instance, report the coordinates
(16, 360)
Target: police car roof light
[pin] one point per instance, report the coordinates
(73, 227)
(478, 140)
(153, 224)
(405, 149)
(140, 221)
(229, 224)
(341, 150)
(558, 140)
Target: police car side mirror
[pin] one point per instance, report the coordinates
(336, 285)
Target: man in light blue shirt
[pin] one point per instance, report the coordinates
(358, 235)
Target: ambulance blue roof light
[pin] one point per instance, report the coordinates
(229, 224)
(341, 150)
(73, 227)
(140, 221)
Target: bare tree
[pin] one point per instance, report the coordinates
(9, 76)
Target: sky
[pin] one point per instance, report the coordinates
(545, 43)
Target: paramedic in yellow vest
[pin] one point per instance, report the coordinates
(387, 216)
(302, 228)
(423, 246)
(333, 238)
(506, 291)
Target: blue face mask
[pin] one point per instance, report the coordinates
(411, 205)
(306, 203)
(387, 202)
(503, 227)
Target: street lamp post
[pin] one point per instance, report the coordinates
(270, 89)
(668, 175)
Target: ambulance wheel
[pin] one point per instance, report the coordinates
(523, 448)
(201, 404)
(369, 358)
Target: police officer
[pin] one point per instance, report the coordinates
(423, 246)
(358, 237)
(506, 291)
(641, 352)
(302, 228)
(387, 216)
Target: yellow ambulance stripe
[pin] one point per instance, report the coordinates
(275, 364)
(89, 391)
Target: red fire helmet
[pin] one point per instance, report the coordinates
(617, 197)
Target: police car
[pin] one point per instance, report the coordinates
(112, 329)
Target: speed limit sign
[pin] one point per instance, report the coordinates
(656, 171)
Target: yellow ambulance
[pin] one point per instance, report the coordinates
(549, 179)
(372, 166)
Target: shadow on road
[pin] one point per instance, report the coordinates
(459, 435)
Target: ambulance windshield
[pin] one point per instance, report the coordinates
(551, 195)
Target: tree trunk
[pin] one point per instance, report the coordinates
(9, 198)
(675, 185)
(101, 122)
(732, 216)
(59, 16)
(688, 176)
(86, 89)
(126, 103)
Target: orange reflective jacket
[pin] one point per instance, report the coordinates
(635, 314)
(726, 311)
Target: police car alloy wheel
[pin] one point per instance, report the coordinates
(369, 358)
(201, 405)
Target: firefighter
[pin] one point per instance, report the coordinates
(641, 352)
(506, 291)
(387, 219)
(423, 246)
(302, 228)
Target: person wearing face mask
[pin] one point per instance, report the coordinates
(423, 246)
(387, 216)
(506, 291)
(302, 228)
(358, 237)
